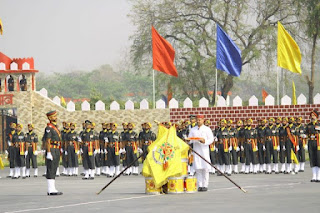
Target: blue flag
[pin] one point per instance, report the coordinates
(228, 54)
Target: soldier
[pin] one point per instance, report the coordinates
(11, 152)
(147, 139)
(88, 150)
(19, 142)
(261, 144)
(282, 141)
(272, 146)
(239, 134)
(292, 145)
(233, 143)
(53, 142)
(31, 147)
(224, 148)
(192, 123)
(73, 151)
(313, 133)
(11, 83)
(23, 83)
(80, 142)
(301, 134)
(113, 150)
(123, 142)
(64, 132)
(251, 148)
(103, 148)
(97, 156)
(131, 148)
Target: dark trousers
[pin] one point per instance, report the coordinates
(282, 154)
(31, 157)
(261, 156)
(242, 154)
(251, 156)
(234, 156)
(20, 159)
(314, 153)
(52, 165)
(213, 157)
(12, 156)
(87, 160)
(268, 152)
(114, 159)
(289, 147)
(64, 160)
(72, 157)
(145, 152)
(224, 156)
(98, 159)
(301, 153)
(131, 156)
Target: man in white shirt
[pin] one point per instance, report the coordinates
(201, 146)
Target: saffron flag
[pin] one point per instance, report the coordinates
(294, 97)
(162, 54)
(264, 95)
(1, 27)
(228, 54)
(164, 157)
(1, 164)
(289, 55)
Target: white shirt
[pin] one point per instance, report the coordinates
(202, 148)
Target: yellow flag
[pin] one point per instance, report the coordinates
(294, 97)
(294, 157)
(164, 157)
(1, 163)
(1, 27)
(63, 102)
(289, 55)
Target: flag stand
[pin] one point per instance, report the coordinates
(278, 95)
(153, 93)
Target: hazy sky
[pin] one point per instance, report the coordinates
(63, 35)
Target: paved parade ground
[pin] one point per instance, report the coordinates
(266, 193)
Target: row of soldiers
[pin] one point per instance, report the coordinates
(272, 141)
(101, 152)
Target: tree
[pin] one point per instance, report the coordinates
(190, 26)
(311, 22)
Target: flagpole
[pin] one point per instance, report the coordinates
(216, 95)
(154, 94)
(278, 95)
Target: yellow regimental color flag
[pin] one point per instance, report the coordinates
(1, 27)
(289, 55)
(164, 157)
(63, 101)
(294, 97)
(1, 163)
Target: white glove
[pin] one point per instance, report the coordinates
(105, 151)
(230, 148)
(304, 136)
(238, 149)
(305, 147)
(140, 150)
(78, 152)
(61, 150)
(278, 148)
(81, 151)
(65, 153)
(257, 148)
(43, 152)
(284, 148)
(49, 156)
(264, 148)
(26, 153)
(298, 148)
(7, 153)
(9, 143)
(35, 152)
(215, 139)
(242, 149)
(95, 152)
(98, 151)
(217, 150)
